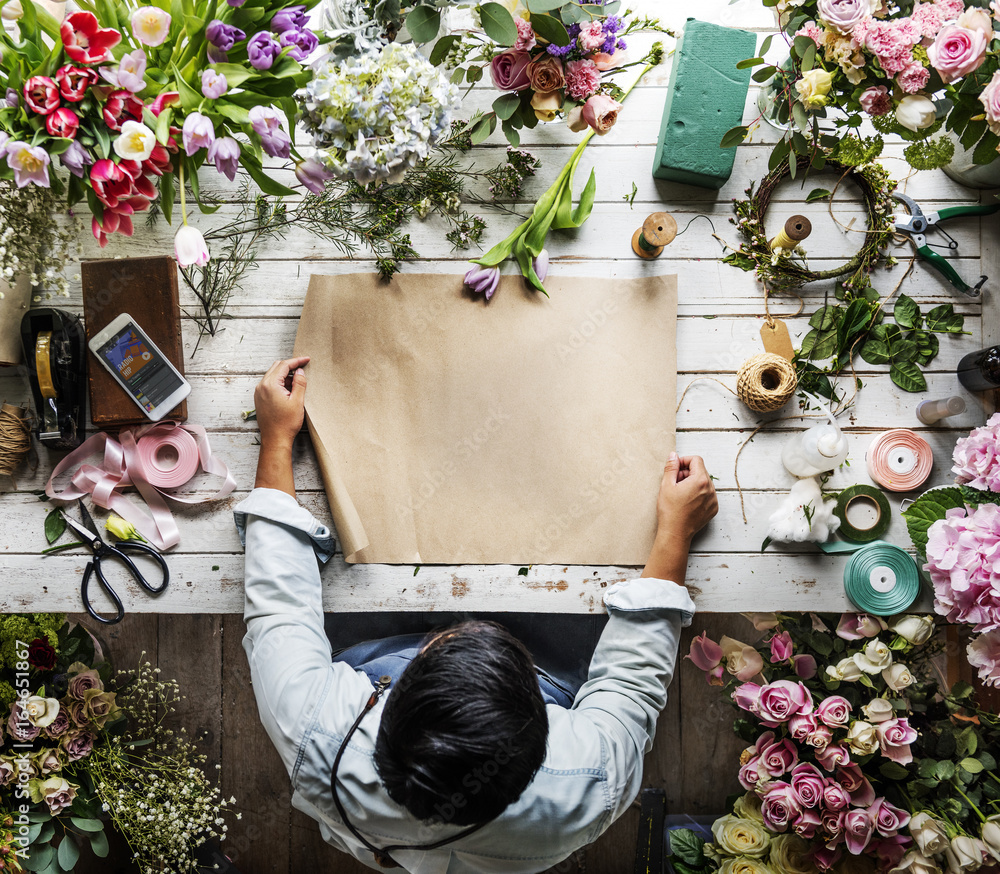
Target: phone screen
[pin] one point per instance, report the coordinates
(141, 369)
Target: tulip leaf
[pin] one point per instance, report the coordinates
(167, 197)
(190, 99)
(550, 29)
(264, 182)
(499, 24)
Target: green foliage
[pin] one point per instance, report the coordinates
(926, 510)
(930, 154)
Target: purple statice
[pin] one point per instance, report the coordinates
(621, 45)
(560, 51)
(612, 24)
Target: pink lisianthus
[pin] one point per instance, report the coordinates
(976, 457)
(804, 666)
(591, 36)
(833, 756)
(894, 739)
(962, 552)
(582, 79)
(834, 711)
(781, 700)
(525, 36)
(855, 784)
(781, 647)
(928, 18)
(857, 626)
(913, 78)
(780, 806)
(957, 51)
(601, 113)
(812, 30)
(888, 819)
(858, 828)
(984, 654)
(876, 100)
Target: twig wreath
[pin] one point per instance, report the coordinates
(784, 271)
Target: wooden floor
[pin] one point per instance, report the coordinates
(693, 759)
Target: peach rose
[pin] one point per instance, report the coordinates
(547, 105)
(601, 113)
(546, 74)
(604, 61)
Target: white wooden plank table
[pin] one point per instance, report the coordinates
(720, 314)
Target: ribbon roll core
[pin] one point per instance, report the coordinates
(881, 579)
(900, 460)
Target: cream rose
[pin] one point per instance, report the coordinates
(790, 854)
(878, 710)
(748, 807)
(813, 88)
(928, 833)
(916, 862)
(897, 677)
(845, 670)
(742, 661)
(41, 711)
(976, 19)
(874, 658)
(964, 854)
(740, 837)
(914, 629)
(745, 865)
(862, 738)
(991, 836)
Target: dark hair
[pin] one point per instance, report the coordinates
(464, 728)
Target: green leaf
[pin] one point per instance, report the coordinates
(500, 27)
(99, 844)
(908, 376)
(69, 852)
(973, 766)
(825, 317)
(906, 312)
(944, 320)
(55, 525)
(944, 770)
(903, 352)
(509, 131)
(443, 47)
(748, 63)
(927, 347)
(926, 510)
(817, 194)
(536, 6)
(505, 105)
(893, 771)
(734, 136)
(687, 846)
(424, 22)
(855, 320)
(875, 352)
(87, 825)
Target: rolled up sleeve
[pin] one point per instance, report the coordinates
(626, 687)
(286, 645)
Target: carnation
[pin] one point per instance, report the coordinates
(377, 115)
(950, 9)
(962, 552)
(976, 459)
(928, 18)
(812, 30)
(582, 79)
(984, 654)
(913, 78)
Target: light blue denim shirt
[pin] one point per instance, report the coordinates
(593, 765)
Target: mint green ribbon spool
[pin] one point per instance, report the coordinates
(880, 578)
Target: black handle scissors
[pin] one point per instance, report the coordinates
(88, 534)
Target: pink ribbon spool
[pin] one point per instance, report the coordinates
(152, 457)
(899, 460)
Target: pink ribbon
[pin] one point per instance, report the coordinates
(152, 458)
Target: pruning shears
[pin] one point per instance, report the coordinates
(916, 225)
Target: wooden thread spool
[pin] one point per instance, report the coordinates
(657, 231)
(766, 382)
(796, 229)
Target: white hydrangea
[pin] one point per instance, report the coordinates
(377, 115)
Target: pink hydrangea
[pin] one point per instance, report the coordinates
(876, 100)
(963, 558)
(950, 9)
(591, 36)
(812, 30)
(928, 18)
(525, 36)
(913, 78)
(976, 457)
(984, 653)
(582, 79)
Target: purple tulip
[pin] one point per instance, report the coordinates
(213, 84)
(198, 133)
(291, 18)
(266, 123)
(313, 175)
(13, 98)
(216, 55)
(483, 280)
(541, 265)
(236, 3)
(75, 159)
(262, 50)
(223, 36)
(225, 152)
(302, 43)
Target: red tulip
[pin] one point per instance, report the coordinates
(74, 81)
(85, 41)
(63, 123)
(167, 98)
(120, 106)
(41, 94)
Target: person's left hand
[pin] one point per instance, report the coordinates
(280, 401)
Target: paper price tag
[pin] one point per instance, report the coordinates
(776, 339)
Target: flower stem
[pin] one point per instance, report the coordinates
(979, 813)
(180, 173)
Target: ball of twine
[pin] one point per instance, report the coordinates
(766, 382)
(15, 438)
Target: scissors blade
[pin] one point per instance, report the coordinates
(85, 534)
(88, 520)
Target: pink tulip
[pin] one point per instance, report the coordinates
(781, 648)
(190, 247)
(704, 653)
(162, 101)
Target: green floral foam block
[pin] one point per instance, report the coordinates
(705, 99)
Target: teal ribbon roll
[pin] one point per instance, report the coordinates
(880, 578)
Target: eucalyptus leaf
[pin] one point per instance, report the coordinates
(499, 24)
(99, 844)
(442, 48)
(536, 6)
(69, 853)
(548, 28)
(908, 377)
(505, 105)
(87, 825)
(734, 136)
(424, 22)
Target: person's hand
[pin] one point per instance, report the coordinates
(280, 401)
(687, 498)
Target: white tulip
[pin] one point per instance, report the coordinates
(915, 112)
(190, 247)
(136, 141)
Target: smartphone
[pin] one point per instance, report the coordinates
(139, 367)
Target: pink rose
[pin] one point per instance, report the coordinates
(82, 682)
(808, 783)
(525, 36)
(582, 79)
(805, 823)
(843, 15)
(833, 756)
(876, 100)
(834, 711)
(833, 823)
(603, 61)
(957, 51)
(18, 726)
(601, 113)
(855, 626)
(58, 727)
(895, 737)
(858, 827)
(984, 651)
(819, 738)
(781, 700)
(804, 666)
(855, 784)
(747, 696)
(913, 77)
(835, 796)
(546, 74)
(890, 851)
(509, 70)
(705, 653)
(77, 744)
(826, 857)
(800, 727)
(591, 36)
(750, 773)
(781, 647)
(778, 758)
(888, 819)
(779, 807)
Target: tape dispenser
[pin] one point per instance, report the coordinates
(55, 348)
